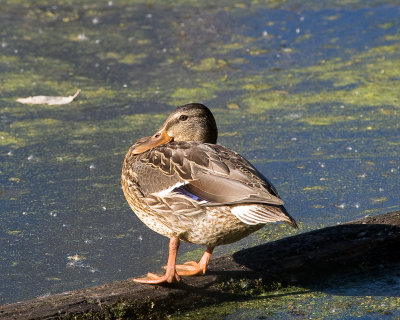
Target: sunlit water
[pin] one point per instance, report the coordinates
(293, 89)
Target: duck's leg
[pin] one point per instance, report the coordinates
(192, 268)
(170, 275)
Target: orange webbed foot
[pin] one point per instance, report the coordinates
(191, 268)
(152, 278)
(170, 276)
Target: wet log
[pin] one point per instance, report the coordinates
(371, 241)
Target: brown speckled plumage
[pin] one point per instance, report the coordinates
(186, 188)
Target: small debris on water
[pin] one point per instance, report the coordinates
(76, 261)
(50, 100)
(75, 257)
(82, 37)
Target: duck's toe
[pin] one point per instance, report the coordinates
(152, 278)
(190, 268)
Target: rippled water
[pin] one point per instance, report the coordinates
(308, 93)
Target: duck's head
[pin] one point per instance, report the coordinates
(191, 122)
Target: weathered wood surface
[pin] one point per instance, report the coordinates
(368, 241)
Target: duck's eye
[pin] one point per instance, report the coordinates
(183, 117)
(157, 135)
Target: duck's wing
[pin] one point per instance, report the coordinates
(180, 179)
(225, 177)
(210, 173)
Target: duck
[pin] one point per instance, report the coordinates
(183, 185)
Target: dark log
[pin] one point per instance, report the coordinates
(371, 241)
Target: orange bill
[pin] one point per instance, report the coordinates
(159, 138)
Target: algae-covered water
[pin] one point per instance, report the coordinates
(308, 91)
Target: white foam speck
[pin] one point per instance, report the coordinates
(82, 37)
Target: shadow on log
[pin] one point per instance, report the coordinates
(370, 241)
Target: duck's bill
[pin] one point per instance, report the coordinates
(159, 138)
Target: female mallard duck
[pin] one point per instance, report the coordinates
(185, 187)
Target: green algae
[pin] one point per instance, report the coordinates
(381, 91)
(233, 106)
(193, 255)
(6, 139)
(125, 310)
(374, 83)
(394, 37)
(129, 58)
(266, 100)
(133, 58)
(205, 92)
(315, 188)
(30, 132)
(387, 25)
(379, 200)
(208, 64)
(294, 302)
(327, 120)
(275, 232)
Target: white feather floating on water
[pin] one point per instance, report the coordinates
(49, 99)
